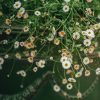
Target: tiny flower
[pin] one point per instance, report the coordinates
(8, 31)
(98, 71)
(54, 31)
(89, 11)
(64, 93)
(21, 44)
(35, 69)
(78, 74)
(56, 41)
(86, 61)
(33, 53)
(32, 38)
(16, 44)
(69, 86)
(30, 59)
(21, 10)
(8, 21)
(62, 34)
(96, 26)
(37, 13)
(87, 42)
(17, 4)
(91, 49)
(76, 66)
(51, 58)
(22, 73)
(26, 29)
(5, 41)
(83, 32)
(6, 56)
(64, 81)
(91, 60)
(29, 45)
(66, 64)
(56, 88)
(41, 63)
(65, 8)
(85, 51)
(69, 71)
(25, 16)
(71, 80)
(76, 35)
(79, 95)
(19, 15)
(50, 37)
(18, 56)
(1, 60)
(87, 73)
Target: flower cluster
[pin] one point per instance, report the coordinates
(62, 32)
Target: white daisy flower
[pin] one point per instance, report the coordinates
(90, 33)
(56, 88)
(69, 86)
(66, 64)
(76, 35)
(98, 71)
(37, 13)
(17, 4)
(1, 60)
(87, 42)
(26, 28)
(86, 61)
(65, 8)
(63, 58)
